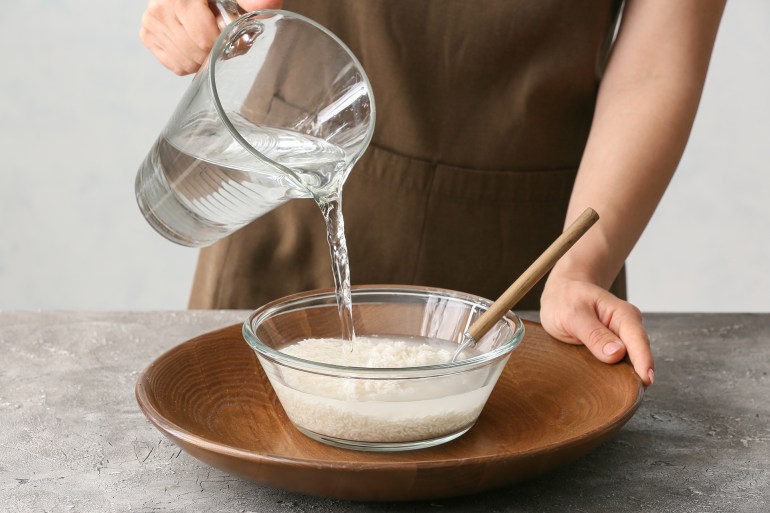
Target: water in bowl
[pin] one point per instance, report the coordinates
(381, 411)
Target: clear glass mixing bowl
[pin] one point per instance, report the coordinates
(382, 409)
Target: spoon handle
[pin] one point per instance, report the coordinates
(533, 274)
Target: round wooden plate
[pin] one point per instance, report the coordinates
(553, 403)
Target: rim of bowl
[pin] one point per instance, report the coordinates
(296, 300)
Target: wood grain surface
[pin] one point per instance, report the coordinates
(553, 403)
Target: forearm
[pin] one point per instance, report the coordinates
(645, 110)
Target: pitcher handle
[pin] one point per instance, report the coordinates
(225, 11)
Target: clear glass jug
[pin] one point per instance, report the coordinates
(281, 110)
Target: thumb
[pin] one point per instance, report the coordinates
(598, 338)
(256, 5)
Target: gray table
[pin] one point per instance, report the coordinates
(73, 439)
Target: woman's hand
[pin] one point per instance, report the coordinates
(579, 312)
(645, 108)
(180, 33)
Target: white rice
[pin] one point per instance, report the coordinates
(380, 410)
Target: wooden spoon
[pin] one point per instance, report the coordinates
(528, 279)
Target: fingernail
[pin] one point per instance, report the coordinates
(611, 348)
(651, 375)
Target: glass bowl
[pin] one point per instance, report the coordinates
(382, 408)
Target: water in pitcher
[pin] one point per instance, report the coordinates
(221, 194)
(215, 196)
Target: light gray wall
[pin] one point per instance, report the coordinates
(81, 102)
(707, 247)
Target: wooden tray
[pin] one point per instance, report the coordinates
(553, 403)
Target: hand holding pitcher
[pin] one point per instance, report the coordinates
(281, 109)
(181, 34)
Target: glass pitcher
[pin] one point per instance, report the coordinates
(282, 109)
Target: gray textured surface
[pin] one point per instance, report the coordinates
(73, 439)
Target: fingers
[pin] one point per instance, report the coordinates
(255, 5)
(627, 323)
(579, 312)
(179, 33)
(602, 342)
(612, 331)
(199, 25)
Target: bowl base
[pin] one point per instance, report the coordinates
(383, 446)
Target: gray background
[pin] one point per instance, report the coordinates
(81, 102)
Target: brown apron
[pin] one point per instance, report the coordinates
(483, 111)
